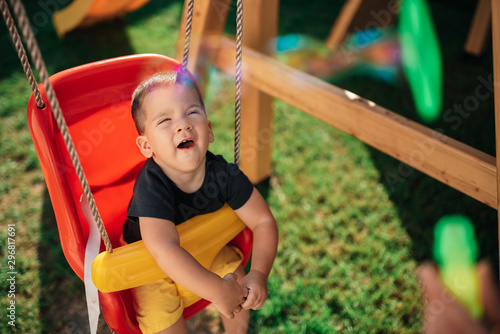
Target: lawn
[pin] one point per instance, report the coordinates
(354, 223)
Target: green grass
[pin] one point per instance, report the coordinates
(351, 236)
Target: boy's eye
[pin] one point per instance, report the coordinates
(164, 120)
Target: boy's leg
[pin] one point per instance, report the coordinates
(179, 327)
(239, 324)
(158, 307)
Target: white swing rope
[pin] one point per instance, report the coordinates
(238, 79)
(187, 34)
(238, 76)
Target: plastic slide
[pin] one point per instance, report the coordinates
(81, 13)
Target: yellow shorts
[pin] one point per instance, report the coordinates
(158, 305)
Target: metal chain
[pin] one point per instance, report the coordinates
(36, 55)
(187, 35)
(239, 51)
(21, 53)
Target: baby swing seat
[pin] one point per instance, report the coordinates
(95, 99)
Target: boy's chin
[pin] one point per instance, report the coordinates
(189, 165)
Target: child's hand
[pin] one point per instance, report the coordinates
(444, 314)
(256, 283)
(232, 297)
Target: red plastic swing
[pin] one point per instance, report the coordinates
(95, 100)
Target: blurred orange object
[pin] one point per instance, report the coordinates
(82, 13)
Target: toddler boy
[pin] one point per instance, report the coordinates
(181, 179)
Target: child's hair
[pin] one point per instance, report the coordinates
(160, 79)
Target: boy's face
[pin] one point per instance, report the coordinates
(177, 131)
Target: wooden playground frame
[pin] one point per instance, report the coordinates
(454, 163)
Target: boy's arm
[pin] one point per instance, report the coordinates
(255, 213)
(161, 239)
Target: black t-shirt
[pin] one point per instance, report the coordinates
(156, 196)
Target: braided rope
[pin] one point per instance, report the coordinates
(239, 51)
(16, 39)
(187, 35)
(36, 55)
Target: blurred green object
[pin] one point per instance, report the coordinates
(421, 58)
(455, 251)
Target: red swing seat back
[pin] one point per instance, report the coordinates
(95, 100)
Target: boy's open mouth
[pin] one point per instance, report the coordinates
(185, 144)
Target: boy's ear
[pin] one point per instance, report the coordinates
(211, 136)
(143, 143)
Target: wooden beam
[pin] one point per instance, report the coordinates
(480, 28)
(458, 165)
(260, 25)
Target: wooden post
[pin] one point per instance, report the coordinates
(209, 20)
(479, 29)
(359, 15)
(495, 18)
(260, 25)
(344, 20)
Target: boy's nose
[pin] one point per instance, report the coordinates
(184, 125)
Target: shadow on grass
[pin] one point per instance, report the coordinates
(467, 116)
(421, 201)
(56, 275)
(62, 300)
